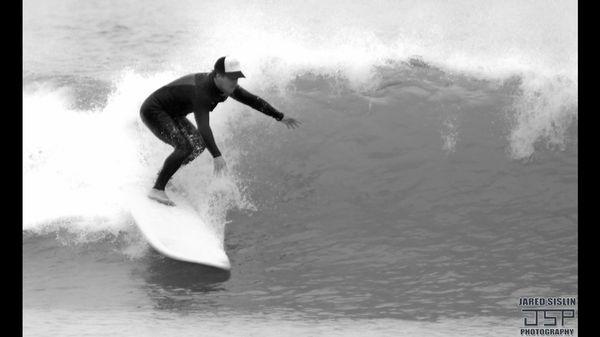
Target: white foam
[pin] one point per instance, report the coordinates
(76, 163)
(543, 112)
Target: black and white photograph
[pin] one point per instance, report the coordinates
(269, 168)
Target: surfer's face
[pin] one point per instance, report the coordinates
(226, 84)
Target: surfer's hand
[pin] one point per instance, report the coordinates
(291, 123)
(220, 165)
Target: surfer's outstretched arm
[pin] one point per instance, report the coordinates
(244, 96)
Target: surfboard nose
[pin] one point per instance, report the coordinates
(177, 232)
(224, 262)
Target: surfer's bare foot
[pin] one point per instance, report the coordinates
(160, 196)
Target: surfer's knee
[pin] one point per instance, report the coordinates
(189, 158)
(196, 151)
(184, 149)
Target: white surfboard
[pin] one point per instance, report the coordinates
(177, 231)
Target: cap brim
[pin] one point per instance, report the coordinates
(235, 75)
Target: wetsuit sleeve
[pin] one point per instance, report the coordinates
(242, 95)
(202, 122)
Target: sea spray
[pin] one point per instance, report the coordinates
(78, 164)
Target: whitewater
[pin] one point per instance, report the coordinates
(432, 183)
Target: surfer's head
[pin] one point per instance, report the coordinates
(227, 71)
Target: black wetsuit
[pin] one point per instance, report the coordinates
(165, 110)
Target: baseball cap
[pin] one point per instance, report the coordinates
(229, 66)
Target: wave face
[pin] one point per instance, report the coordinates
(435, 167)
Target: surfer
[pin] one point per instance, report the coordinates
(164, 113)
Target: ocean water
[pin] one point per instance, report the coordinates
(432, 183)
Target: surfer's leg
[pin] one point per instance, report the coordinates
(193, 136)
(165, 128)
(172, 164)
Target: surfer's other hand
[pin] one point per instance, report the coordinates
(220, 165)
(291, 123)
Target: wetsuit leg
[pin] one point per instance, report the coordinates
(167, 130)
(193, 136)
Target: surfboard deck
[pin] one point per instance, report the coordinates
(176, 231)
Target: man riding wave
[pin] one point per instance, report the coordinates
(164, 113)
